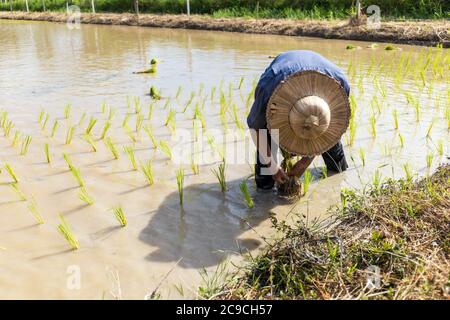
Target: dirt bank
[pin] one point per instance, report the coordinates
(428, 33)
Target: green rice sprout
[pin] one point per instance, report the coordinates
(137, 105)
(111, 113)
(68, 161)
(362, 156)
(69, 134)
(7, 130)
(429, 159)
(54, 128)
(139, 121)
(112, 147)
(194, 166)
(67, 110)
(148, 131)
(129, 150)
(180, 183)
(44, 124)
(167, 103)
(77, 175)
(150, 110)
(177, 94)
(154, 93)
(376, 180)
(130, 134)
(15, 138)
(103, 107)
(33, 207)
(82, 118)
(241, 81)
(41, 116)
(120, 215)
(195, 125)
(125, 120)
(373, 127)
(85, 197)
(352, 131)
(401, 139)
(165, 148)
(220, 175)
(67, 233)
(307, 179)
(246, 194)
(147, 170)
(11, 172)
(15, 187)
(429, 129)
(440, 147)
(47, 153)
(91, 142)
(25, 145)
(407, 169)
(170, 119)
(92, 122)
(105, 129)
(395, 116)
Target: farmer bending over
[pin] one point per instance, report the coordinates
(302, 98)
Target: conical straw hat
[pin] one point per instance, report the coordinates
(311, 111)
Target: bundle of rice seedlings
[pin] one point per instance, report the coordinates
(105, 129)
(220, 175)
(247, 198)
(147, 170)
(67, 110)
(69, 134)
(89, 140)
(373, 128)
(77, 175)
(15, 187)
(85, 197)
(120, 215)
(165, 149)
(92, 122)
(180, 183)
(25, 144)
(54, 128)
(112, 147)
(195, 124)
(67, 233)
(32, 206)
(154, 93)
(129, 150)
(47, 153)
(68, 161)
(11, 172)
(149, 132)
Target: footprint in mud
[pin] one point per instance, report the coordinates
(207, 229)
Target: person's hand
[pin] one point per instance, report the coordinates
(299, 168)
(280, 176)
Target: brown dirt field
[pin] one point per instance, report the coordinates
(427, 33)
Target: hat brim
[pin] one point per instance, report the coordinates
(300, 85)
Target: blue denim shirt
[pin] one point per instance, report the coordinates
(282, 67)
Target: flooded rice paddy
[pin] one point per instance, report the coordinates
(83, 80)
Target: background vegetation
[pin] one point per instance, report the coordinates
(295, 9)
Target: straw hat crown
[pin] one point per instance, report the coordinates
(311, 111)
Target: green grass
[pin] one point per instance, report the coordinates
(67, 233)
(120, 215)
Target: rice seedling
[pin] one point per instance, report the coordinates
(195, 125)
(429, 159)
(77, 175)
(428, 135)
(67, 233)
(25, 145)
(67, 110)
(324, 171)
(92, 122)
(41, 116)
(189, 102)
(15, 187)
(395, 115)
(69, 134)
(47, 153)
(220, 175)
(389, 47)
(82, 118)
(352, 131)
(376, 180)
(125, 120)
(103, 107)
(139, 121)
(407, 169)
(213, 93)
(129, 150)
(170, 119)
(180, 183)
(167, 103)
(307, 179)
(147, 170)
(32, 206)
(362, 156)
(11, 172)
(54, 128)
(44, 124)
(165, 149)
(194, 166)
(154, 93)
(246, 194)
(177, 94)
(105, 129)
(68, 161)
(91, 142)
(7, 129)
(440, 147)
(401, 139)
(131, 134)
(148, 131)
(241, 81)
(137, 105)
(16, 138)
(85, 197)
(150, 110)
(373, 127)
(112, 147)
(120, 215)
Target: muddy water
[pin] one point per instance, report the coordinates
(44, 66)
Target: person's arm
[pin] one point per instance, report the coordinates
(279, 175)
(300, 167)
